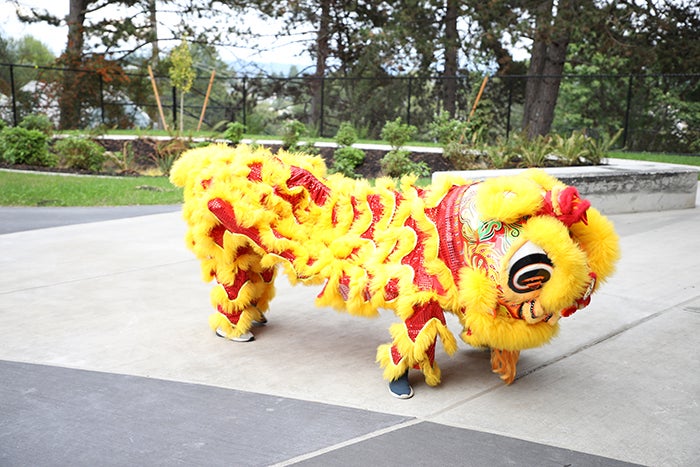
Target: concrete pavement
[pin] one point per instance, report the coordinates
(107, 359)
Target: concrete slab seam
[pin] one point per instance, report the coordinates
(349, 442)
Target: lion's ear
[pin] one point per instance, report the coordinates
(508, 199)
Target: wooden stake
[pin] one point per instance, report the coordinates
(206, 99)
(155, 91)
(478, 97)
(476, 102)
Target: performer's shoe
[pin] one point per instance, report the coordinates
(401, 388)
(247, 337)
(260, 322)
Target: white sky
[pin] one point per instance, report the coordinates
(283, 52)
(55, 37)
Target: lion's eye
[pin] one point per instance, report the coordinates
(529, 269)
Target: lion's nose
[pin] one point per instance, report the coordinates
(529, 269)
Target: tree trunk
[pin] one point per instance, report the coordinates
(451, 54)
(546, 67)
(69, 101)
(316, 84)
(153, 33)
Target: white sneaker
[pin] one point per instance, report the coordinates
(247, 337)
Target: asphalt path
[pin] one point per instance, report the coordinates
(19, 219)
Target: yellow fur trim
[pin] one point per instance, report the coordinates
(477, 293)
(600, 242)
(503, 332)
(508, 199)
(392, 371)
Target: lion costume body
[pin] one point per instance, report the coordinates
(508, 256)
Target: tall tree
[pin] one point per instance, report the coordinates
(547, 58)
(72, 58)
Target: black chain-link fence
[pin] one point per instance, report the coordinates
(654, 112)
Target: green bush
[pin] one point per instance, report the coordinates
(80, 153)
(346, 160)
(234, 132)
(397, 134)
(293, 130)
(40, 122)
(22, 146)
(397, 163)
(346, 135)
(445, 129)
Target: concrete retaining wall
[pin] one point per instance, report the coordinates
(620, 185)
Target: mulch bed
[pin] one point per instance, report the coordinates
(144, 151)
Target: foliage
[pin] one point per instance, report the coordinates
(40, 122)
(346, 158)
(293, 131)
(465, 157)
(125, 160)
(22, 146)
(397, 163)
(165, 153)
(80, 153)
(234, 132)
(445, 129)
(181, 73)
(346, 135)
(397, 134)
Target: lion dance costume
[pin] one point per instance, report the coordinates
(508, 256)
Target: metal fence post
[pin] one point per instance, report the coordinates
(245, 100)
(408, 110)
(14, 94)
(510, 105)
(627, 112)
(174, 107)
(320, 116)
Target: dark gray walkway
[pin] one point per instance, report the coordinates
(56, 416)
(17, 219)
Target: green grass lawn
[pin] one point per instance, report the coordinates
(39, 189)
(657, 157)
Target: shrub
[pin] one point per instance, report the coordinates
(234, 132)
(397, 163)
(22, 146)
(293, 130)
(80, 153)
(346, 158)
(123, 161)
(40, 122)
(397, 134)
(346, 135)
(166, 152)
(446, 130)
